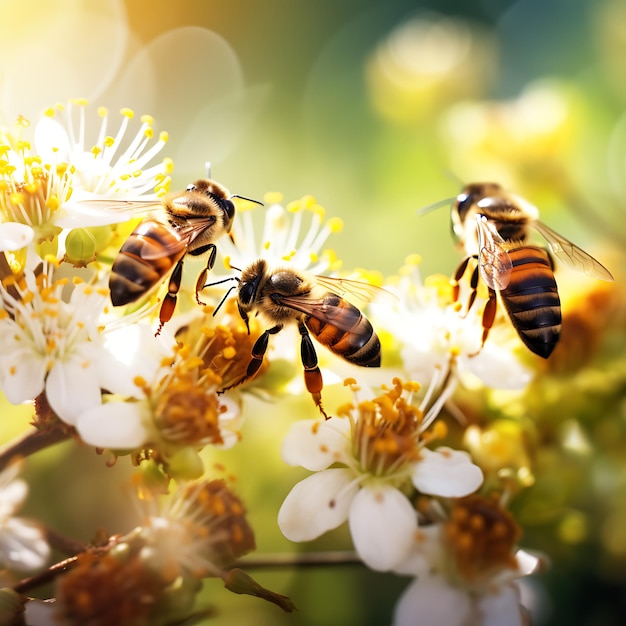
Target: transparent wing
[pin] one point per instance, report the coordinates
(357, 289)
(173, 240)
(571, 254)
(493, 259)
(107, 205)
(343, 317)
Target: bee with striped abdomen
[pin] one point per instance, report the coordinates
(188, 222)
(316, 303)
(493, 227)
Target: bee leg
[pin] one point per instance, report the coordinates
(258, 351)
(169, 302)
(474, 288)
(312, 375)
(458, 275)
(489, 316)
(200, 283)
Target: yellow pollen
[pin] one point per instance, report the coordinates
(229, 352)
(335, 224)
(266, 245)
(49, 112)
(314, 257)
(164, 136)
(413, 259)
(108, 141)
(139, 381)
(129, 113)
(103, 112)
(96, 150)
(273, 197)
(12, 370)
(81, 102)
(147, 119)
(149, 132)
(455, 351)
(22, 121)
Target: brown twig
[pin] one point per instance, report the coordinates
(32, 442)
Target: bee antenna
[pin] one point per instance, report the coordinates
(248, 199)
(219, 306)
(435, 205)
(452, 176)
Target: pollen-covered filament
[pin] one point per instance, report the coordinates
(387, 432)
(480, 539)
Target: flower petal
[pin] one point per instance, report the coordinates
(22, 545)
(316, 445)
(22, 374)
(317, 504)
(502, 608)
(447, 473)
(72, 387)
(383, 525)
(430, 601)
(115, 425)
(14, 236)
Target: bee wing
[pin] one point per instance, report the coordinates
(341, 317)
(494, 261)
(571, 254)
(177, 238)
(346, 287)
(112, 205)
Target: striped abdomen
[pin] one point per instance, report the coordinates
(352, 338)
(144, 259)
(532, 300)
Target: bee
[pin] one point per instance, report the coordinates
(188, 222)
(494, 228)
(316, 303)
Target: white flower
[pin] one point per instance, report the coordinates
(53, 343)
(201, 529)
(117, 165)
(465, 570)
(22, 542)
(436, 335)
(292, 236)
(364, 464)
(174, 403)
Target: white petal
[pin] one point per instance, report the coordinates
(114, 425)
(51, 140)
(383, 525)
(23, 374)
(424, 552)
(430, 601)
(22, 545)
(447, 473)
(72, 387)
(317, 504)
(316, 445)
(138, 350)
(14, 236)
(11, 498)
(499, 368)
(502, 608)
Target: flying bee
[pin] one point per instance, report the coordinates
(494, 229)
(316, 303)
(188, 222)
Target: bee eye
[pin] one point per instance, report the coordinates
(463, 202)
(191, 188)
(246, 292)
(229, 207)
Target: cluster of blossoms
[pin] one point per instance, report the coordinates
(383, 462)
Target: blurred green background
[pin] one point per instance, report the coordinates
(378, 109)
